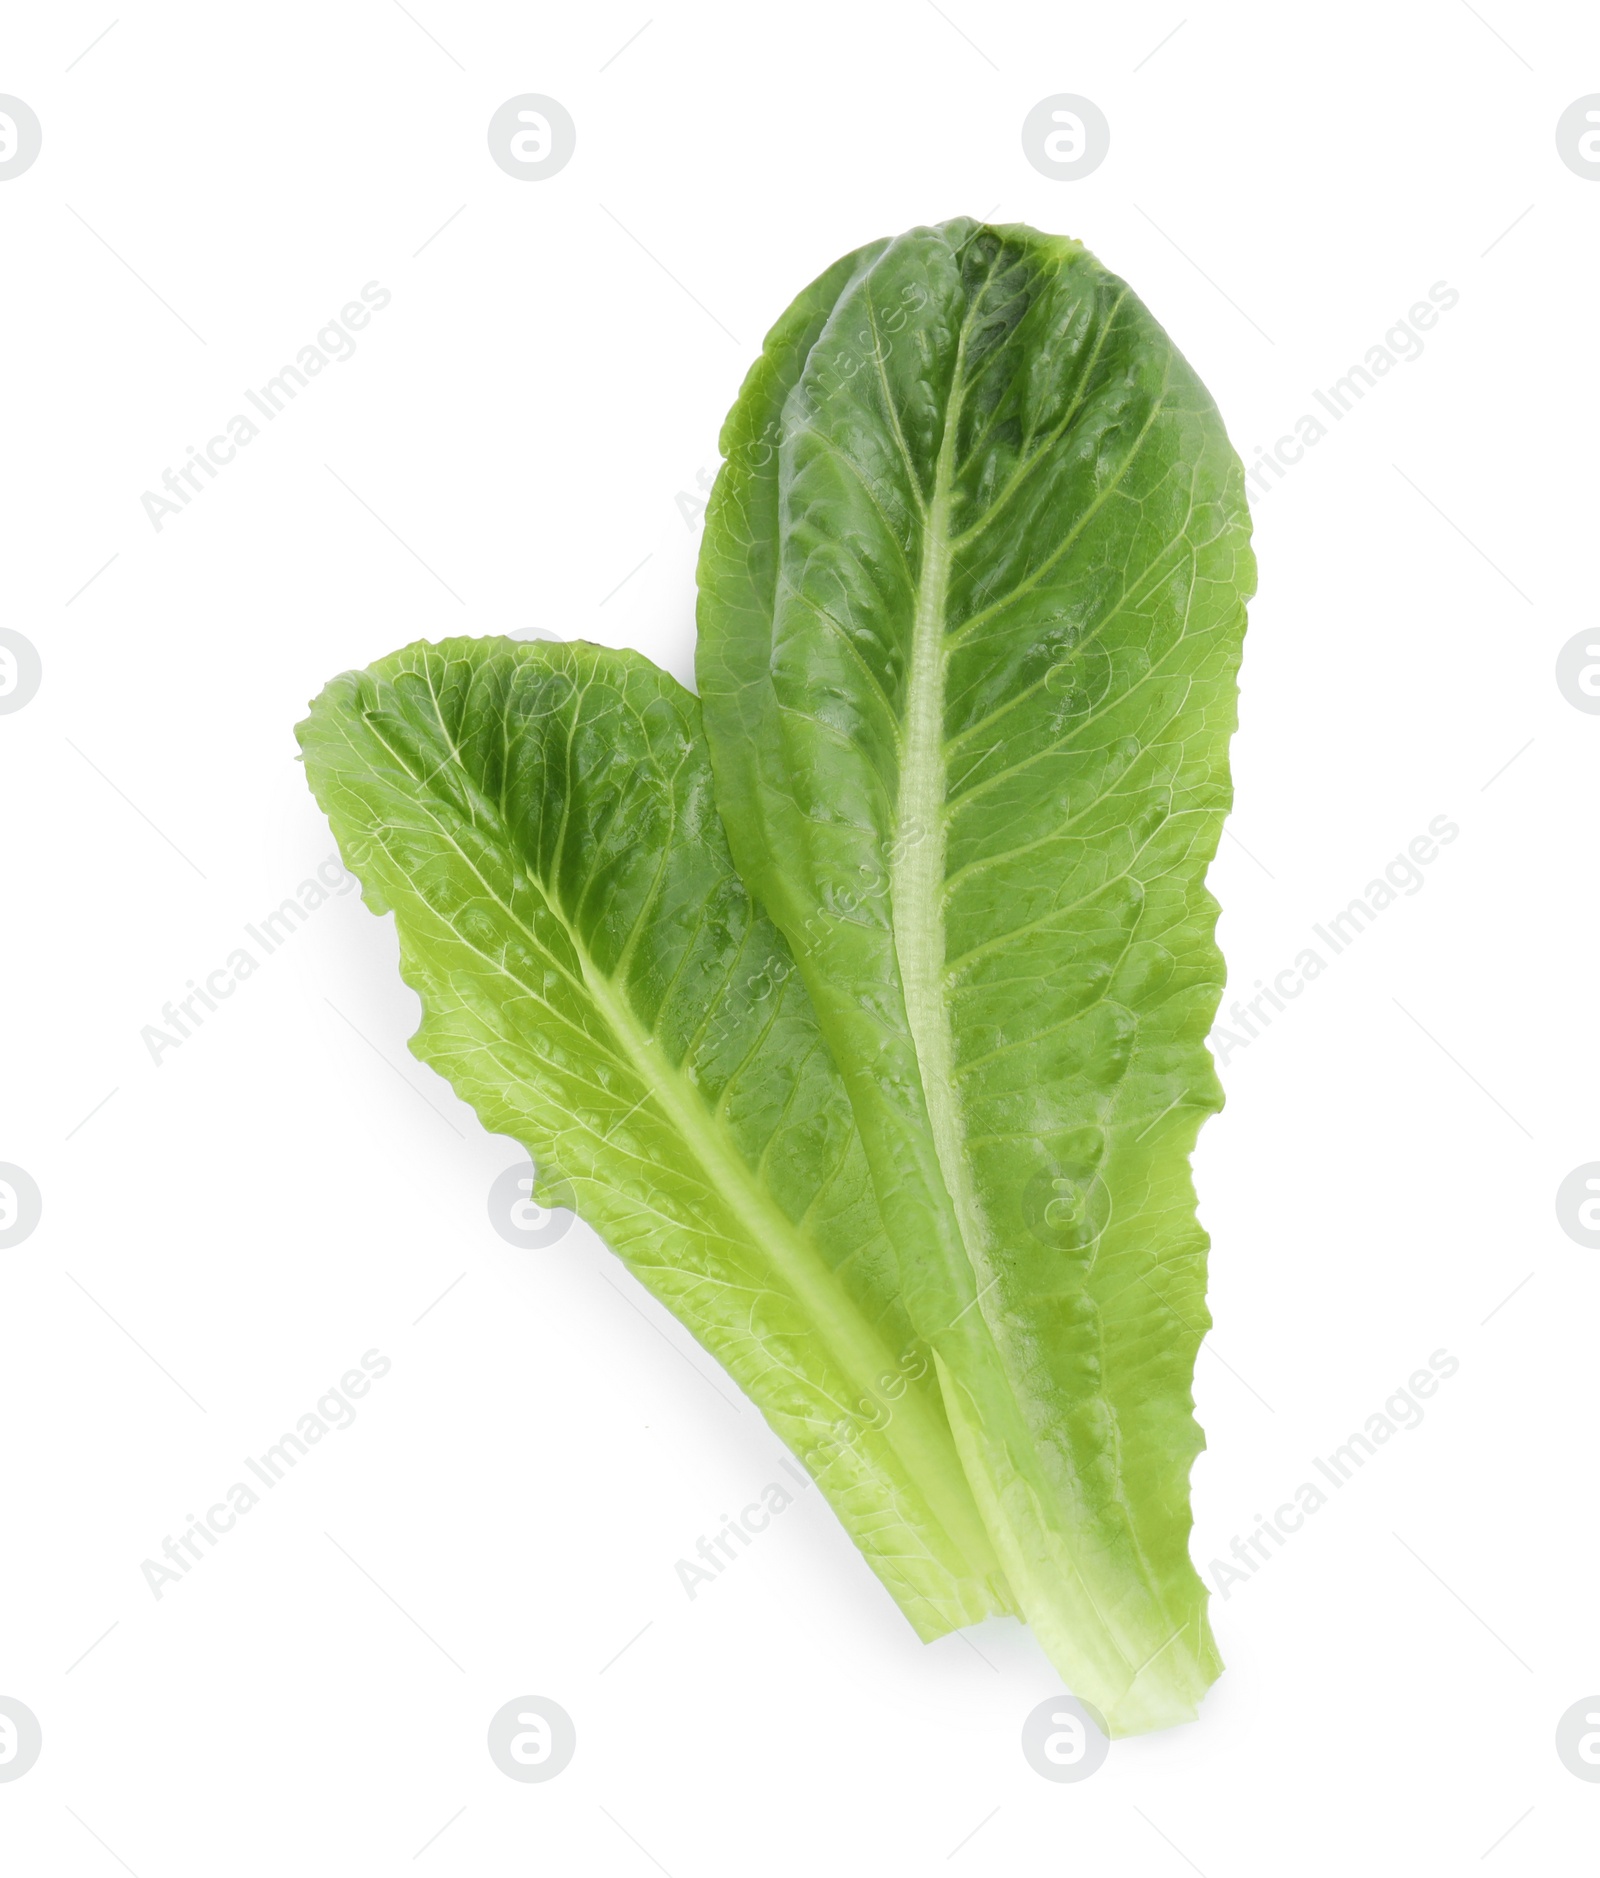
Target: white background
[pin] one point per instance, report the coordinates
(289, 1188)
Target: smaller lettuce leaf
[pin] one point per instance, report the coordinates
(596, 983)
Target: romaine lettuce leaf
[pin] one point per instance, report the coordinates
(972, 604)
(596, 984)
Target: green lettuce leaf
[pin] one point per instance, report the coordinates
(972, 605)
(597, 985)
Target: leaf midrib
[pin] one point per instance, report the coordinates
(916, 881)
